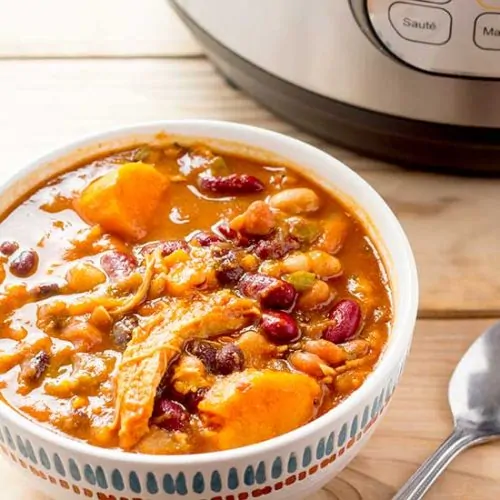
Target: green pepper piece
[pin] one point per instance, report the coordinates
(300, 280)
(304, 230)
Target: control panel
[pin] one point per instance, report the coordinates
(453, 37)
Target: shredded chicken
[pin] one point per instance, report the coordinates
(132, 302)
(155, 344)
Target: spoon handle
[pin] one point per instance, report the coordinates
(418, 484)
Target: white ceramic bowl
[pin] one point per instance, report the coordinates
(287, 467)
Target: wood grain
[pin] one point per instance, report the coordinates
(451, 221)
(416, 422)
(93, 28)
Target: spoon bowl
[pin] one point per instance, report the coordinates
(474, 390)
(474, 399)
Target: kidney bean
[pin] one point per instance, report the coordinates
(118, 264)
(170, 415)
(346, 316)
(8, 247)
(122, 330)
(166, 247)
(205, 239)
(24, 264)
(205, 351)
(233, 184)
(229, 359)
(280, 327)
(33, 369)
(272, 292)
(275, 248)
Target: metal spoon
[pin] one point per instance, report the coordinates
(474, 398)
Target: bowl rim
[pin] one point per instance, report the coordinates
(220, 129)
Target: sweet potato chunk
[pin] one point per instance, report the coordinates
(124, 200)
(252, 406)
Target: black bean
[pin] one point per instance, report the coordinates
(205, 351)
(25, 264)
(229, 359)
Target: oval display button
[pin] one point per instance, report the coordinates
(421, 24)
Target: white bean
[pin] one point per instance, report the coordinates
(295, 201)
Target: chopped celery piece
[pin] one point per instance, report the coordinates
(300, 280)
(304, 230)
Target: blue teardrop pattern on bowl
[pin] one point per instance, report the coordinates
(134, 483)
(20, 446)
(320, 449)
(59, 465)
(342, 437)
(151, 484)
(232, 479)
(74, 471)
(101, 478)
(44, 459)
(366, 417)
(168, 484)
(215, 481)
(277, 468)
(117, 480)
(354, 428)
(249, 476)
(89, 475)
(180, 484)
(198, 483)
(292, 463)
(330, 443)
(10, 441)
(307, 457)
(260, 473)
(374, 408)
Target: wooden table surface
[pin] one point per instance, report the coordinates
(71, 68)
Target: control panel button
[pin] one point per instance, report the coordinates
(421, 23)
(487, 31)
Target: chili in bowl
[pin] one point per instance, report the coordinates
(196, 308)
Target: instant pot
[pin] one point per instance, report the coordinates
(416, 82)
